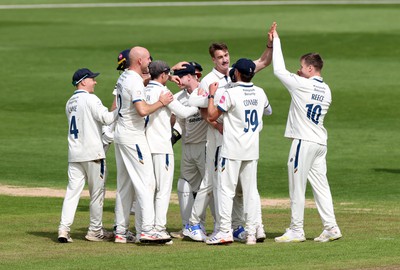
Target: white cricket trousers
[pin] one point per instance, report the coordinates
(192, 170)
(78, 172)
(229, 173)
(211, 180)
(164, 175)
(307, 160)
(135, 177)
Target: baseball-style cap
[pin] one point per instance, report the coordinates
(123, 60)
(82, 74)
(188, 69)
(157, 67)
(196, 65)
(245, 66)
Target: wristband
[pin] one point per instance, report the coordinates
(270, 47)
(210, 96)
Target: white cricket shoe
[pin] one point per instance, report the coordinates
(260, 234)
(195, 233)
(154, 236)
(251, 239)
(329, 235)
(239, 234)
(64, 237)
(99, 236)
(291, 236)
(178, 234)
(220, 238)
(128, 237)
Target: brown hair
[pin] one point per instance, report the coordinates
(313, 59)
(217, 46)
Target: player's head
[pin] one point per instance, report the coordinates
(139, 59)
(123, 60)
(187, 76)
(84, 79)
(159, 71)
(220, 56)
(243, 70)
(310, 65)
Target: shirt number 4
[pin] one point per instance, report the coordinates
(73, 130)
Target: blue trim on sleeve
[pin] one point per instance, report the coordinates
(136, 100)
(220, 108)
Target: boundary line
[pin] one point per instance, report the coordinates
(197, 4)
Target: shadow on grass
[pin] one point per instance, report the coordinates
(385, 170)
(78, 233)
(109, 208)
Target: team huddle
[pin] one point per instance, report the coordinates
(218, 119)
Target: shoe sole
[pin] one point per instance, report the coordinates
(95, 239)
(178, 236)
(62, 240)
(220, 243)
(329, 239)
(290, 241)
(152, 241)
(260, 240)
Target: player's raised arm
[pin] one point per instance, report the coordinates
(266, 57)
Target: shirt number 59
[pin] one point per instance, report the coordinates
(251, 120)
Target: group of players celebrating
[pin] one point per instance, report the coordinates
(218, 119)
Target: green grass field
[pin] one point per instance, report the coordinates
(41, 48)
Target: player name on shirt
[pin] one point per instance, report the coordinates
(317, 97)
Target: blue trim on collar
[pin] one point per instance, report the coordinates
(80, 92)
(246, 85)
(318, 80)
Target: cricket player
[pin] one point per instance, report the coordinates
(220, 73)
(194, 131)
(86, 115)
(158, 134)
(135, 173)
(311, 98)
(242, 107)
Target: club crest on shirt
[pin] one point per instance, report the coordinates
(222, 100)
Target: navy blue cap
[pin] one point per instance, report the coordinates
(188, 69)
(196, 65)
(245, 66)
(82, 74)
(123, 60)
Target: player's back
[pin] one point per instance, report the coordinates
(84, 131)
(310, 103)
(130, 89)
(243, 107)
(158, 126)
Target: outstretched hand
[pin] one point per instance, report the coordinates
(166, 98)
(271, 32)
(274, 32)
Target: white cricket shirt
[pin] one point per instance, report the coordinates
(243, 108)
(158, 124)
(311, 99)
(86, 115)
(130, 89)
